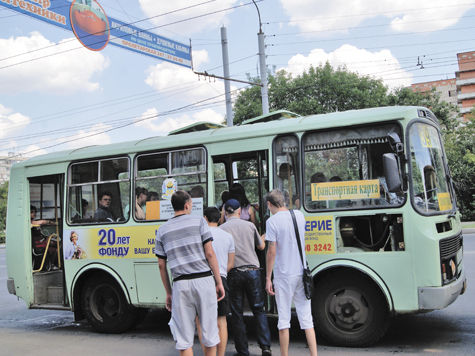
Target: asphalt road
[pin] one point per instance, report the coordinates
(40, 332)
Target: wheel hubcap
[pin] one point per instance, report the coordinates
(104, 303)
(348, 310)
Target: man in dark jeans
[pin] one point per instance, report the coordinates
(245, 279)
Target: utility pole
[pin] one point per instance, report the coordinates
(262, 65)
(227, 85)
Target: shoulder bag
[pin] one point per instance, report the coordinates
(307, 274)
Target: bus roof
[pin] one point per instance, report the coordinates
(225, 134)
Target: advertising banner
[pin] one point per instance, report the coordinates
(91, 26)
(319, 235)
(357, 189)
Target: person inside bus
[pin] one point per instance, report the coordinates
(197, 192)
(39, 240)
(317, 177)
(103, 212)
(153, 196)
(141, 195)
(248, 212)
(81, 216)
(35, 222)
(225, 196)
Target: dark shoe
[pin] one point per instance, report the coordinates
(266, 351)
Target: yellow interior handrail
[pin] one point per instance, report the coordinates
(46, 251)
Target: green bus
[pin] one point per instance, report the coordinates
(383, 234)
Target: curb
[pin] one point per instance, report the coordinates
(468, 231)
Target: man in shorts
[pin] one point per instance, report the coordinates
(184, 243)
(223, 245)
(288, 272)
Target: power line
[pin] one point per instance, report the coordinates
(168, 112)
(366, 37)
(313, 18)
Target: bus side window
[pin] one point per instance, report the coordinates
(98, 191)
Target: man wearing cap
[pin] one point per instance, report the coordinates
(245, 279)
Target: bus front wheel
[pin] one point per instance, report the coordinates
(349, 310)
(106, 307)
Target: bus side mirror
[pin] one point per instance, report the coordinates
(391, 173)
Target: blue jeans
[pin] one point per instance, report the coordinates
(247, 283)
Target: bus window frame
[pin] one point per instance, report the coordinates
(369, 207)
(169, 175)
(297, 170)
(446, 167)
(97, 182)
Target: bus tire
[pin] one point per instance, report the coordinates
(349, 310)
(106, 307)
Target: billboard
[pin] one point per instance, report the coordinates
(95, 30)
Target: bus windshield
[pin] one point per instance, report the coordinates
(344, 168)
(429, 176)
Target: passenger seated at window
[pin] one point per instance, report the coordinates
(140, 201)
(82, 215)
(197, 192)
(103, 212)
(317, 177)
(153, 196)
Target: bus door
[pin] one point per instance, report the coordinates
(248, 169)
(46, 197)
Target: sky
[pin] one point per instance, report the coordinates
(57, 95)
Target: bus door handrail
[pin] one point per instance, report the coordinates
(50, 237)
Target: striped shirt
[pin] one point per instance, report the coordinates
(180, 241)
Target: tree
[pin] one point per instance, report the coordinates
(3, 210)
(319, 90)
(460, 149)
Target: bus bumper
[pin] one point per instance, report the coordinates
(432, 298)
(11, 286)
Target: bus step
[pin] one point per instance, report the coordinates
(55, 295)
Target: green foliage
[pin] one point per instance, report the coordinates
(3, 210)
(460, 149)
(319, 90)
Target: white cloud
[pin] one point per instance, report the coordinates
(381, 64)
(67, 72)
(11, 121)
(405, 15)
(181, 82)
(152, 8)
(93, 136)
(163, 125)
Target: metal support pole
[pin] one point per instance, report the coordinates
(227, 85)
(263, 70)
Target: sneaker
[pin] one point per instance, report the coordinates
(266, 351)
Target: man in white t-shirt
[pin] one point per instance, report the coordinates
(283, 251)
(223, 245)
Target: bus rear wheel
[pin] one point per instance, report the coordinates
(106, 307)
(349, 310)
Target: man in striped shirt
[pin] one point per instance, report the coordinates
(183, 243)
